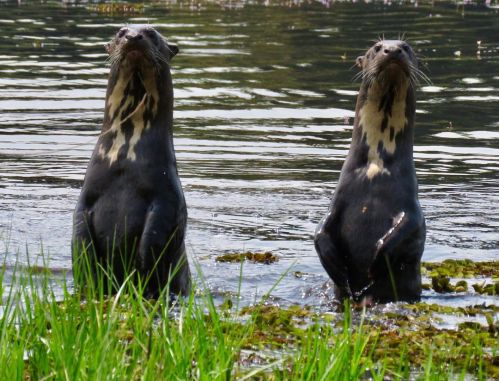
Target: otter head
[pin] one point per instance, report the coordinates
(140, 47)
(140, 91)
(389, 63)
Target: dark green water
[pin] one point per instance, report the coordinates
(264, 106)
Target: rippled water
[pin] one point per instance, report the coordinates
(263, 117)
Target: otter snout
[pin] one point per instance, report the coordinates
(393, 50)
(392, 60)
(134, 36)
(140, 47)
(135, 39)
(135, 46)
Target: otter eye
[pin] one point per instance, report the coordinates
(377, 48)
(122, 32)
(151, 34)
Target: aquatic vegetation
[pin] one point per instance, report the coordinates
(461, 268)
(489, 289)
(397, 343)
(117, 8)
(89, 335)
(441, 274)
(265, 257)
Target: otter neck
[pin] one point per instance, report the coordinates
(136, 102)
(136, 95)
(383, 115)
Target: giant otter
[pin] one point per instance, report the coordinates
(372, 239)
(131, 214)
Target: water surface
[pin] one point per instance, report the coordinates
(263, 116)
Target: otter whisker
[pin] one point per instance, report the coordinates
(419, 74)
(160, 59)
(423, 76)
(114, 59)
(414, 81)
(369, 74)
(358, 76)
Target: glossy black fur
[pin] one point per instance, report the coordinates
(131, 214)
(370, 251)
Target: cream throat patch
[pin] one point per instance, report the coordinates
(133, 99)
(381, 125)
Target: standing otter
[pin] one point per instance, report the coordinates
(372, 239)
(131, 214)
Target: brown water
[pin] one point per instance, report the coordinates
(263, 118)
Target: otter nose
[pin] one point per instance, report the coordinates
(133, 36)
(392, 49)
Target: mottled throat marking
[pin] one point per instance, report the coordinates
(381, 120)
(123, 105)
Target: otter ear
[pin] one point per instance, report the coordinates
(359, 61)
(173, 49)
(109, 47)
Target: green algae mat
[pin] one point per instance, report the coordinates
(90, 336)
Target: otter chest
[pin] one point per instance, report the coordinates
(131, 107)
(381, 119)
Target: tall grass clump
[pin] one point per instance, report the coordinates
(85, 334)
(50, 331)
(89, 335)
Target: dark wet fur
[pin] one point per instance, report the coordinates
(131, 215)
(368, 253)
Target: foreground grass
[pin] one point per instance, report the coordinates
(93, 337)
